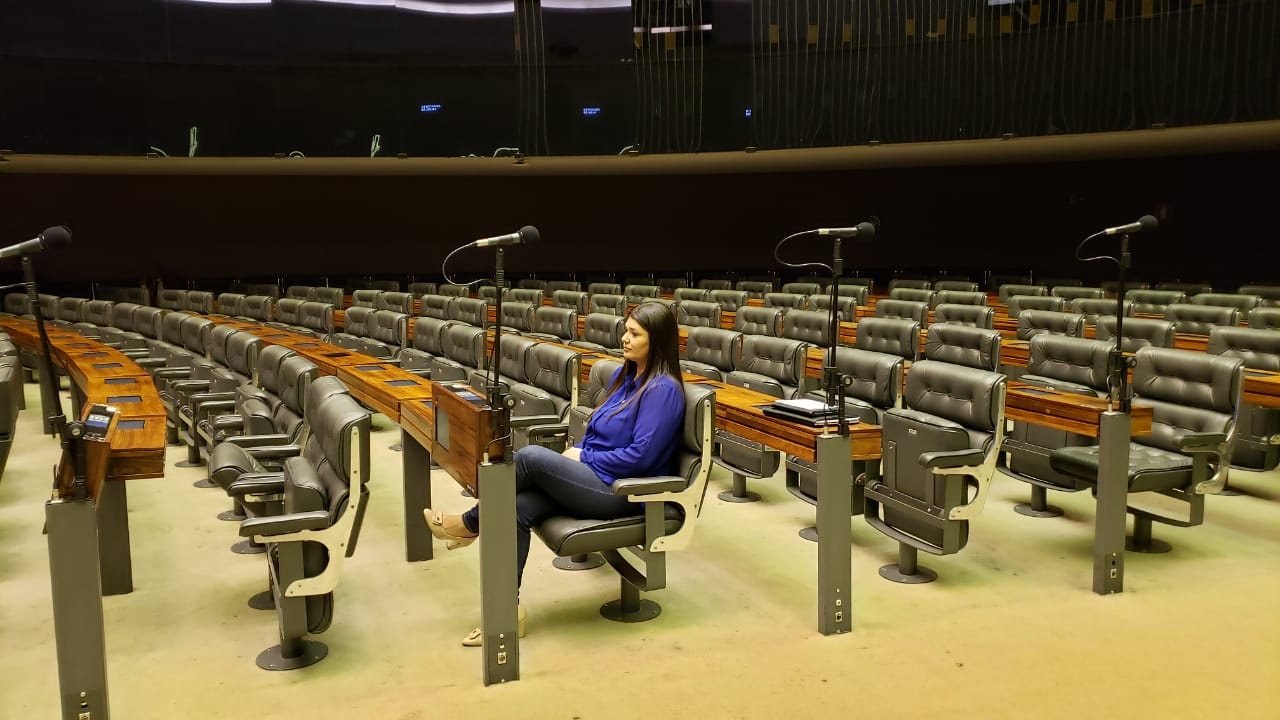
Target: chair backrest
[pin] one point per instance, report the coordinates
(894, 336)
(1187, 391)
(511, 355)
(971, 315)
(518, 315)
(1020, 303)
(532, 296)
(215, 343)
(1269, 294)
(1093, 308)
(258, 307)
(289, 311)
(809, 326)
(604, 288)
(271, 290)
(1200, 319)
(903, 309)
(200, 301)
(963, 345)
(605, 303)
(1153, 302)
(603, 329)
(172, 299)
(555, 370)
(571, 299)
(684, 294)
(850, 288)
(594, 393)
(1112, 287)
(876, 378)
(229, 303)
(452, 290)
(908, 284)
(428, 334)
(1264, 318)
(846, 305)
(786, 301)
(318, 316)
(716, 347)
(531, 284)
(365, 298)
(1187, 288)
(400, 302)
(715, 284)
(464, 344)
(669, 285)
(555, 286)
(418, 289)
(472, 311)
(913, 295)
(299, 292)
(729, 300)
(71, 309)
(1071, 359)
(640, 293)
(1035, 322)
(1259, 349)
(561, 322)
(170, 325)
(1009, 290)
(122, 315)
(335, 458)
(958, 297)
(193, 333)
(778, 359)
(754, 288)
(1071, 292)
(267, 371)
(435, 306)
(96, 312)
(751, 320)
(242, 353)
(1138, 332)
(1244, 303)
(147, 321)
(801, 288)
(357, 321)
(956, 286)
(389, 327)
(696, 313)
(384, 285)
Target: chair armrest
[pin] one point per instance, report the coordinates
(524, 421)
(1201, 442)
(199, 400)
(252, 441)
(149, 362)
(649, 485)
(284, 524)
(952, 458)
(257, 484)
(173, 373)
(211, 408)
(188, 386)
(274, 452)
(228, 422)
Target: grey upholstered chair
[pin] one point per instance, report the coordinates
(169, 299)
(868, 283)
(1009, 290)
(1200, 319)
(356, 324)
(452, 290)
(229, 303)
(695, 313)
(601, 333)
(1093, 308)
(434, 306)
(608, 304)
(418, 289)
(316, 318)
(1269, 294)
(572, 299)
(910, 294)
(669, 506)
(1153, 302)
(1257, 443)
(288, 314)
(808, 326)
(729, 300)
(555, 286)
(1265, 318)
(532, 296)
(200, 301)
(894, 336)
(1072, 292)
(971, 315)
(530, 283)
(270, 290)
(1019, 303)
(754, 288)
(518, 316)
(544, 397)
(1193, 397)
(428, 343)
(639, 293)
(711, 352)
(939, 451)
(554, 324)
(956, 286)
(300, 292)
(1138, 332)
(846, 306)
(786, 301)
(462, 352)
(908, 283)
(669, 285)
(332, 295)
(397, 301)
(715, 284)
(751, 320)
(471, 311)
(1187, 288)
(958, 297)
(916, 312)
(487, 293)
(1036, 322)
(1243, 303)
(801, 288)
(684, 294)
(510, 364)
(590, 396)
(963, 345)
(604, 288)
(365, 298)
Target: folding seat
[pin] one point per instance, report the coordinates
(846, 306)
(801, 288)
(1035, 322)
(665, 521)
(462, 351)
(299, 292)
(365, 298)
(212, 415)
(1193, 397)
(1093, 308)
(1072, 292)
(694, 313)
(711, 284)
(1153, 302)
(917, 312)
(472, 311)
(316, 318)
(331, 295)
(729, 300)
(571, 299)
(1243, 303)
(908, 284)
(1010, 290)
(604, 288)
(971, 315)
(754, 288)
(601, 333)
(1188, 289)
(957, 297)
(556, 286)
(288, 314)
(750, 320)
(938, 453)
(428, 344)
(695, 294)
(544, 397)
(608, 304)
(639, 293)
(531, 284)
(669, 285)
(532, 296)
(1068, 364)
(914, 295)
(212, 381)
(1264, 318)
(554, 324)
(963, 345)
(418, 289)
(808, 326)
(957, 286)
(386, 335)
(184, 368)
(451, 290)
(395, 301)
(200, 301)
(786, 301)
(1200, 319)
(711, 352)
(876, 381)
(1018, 304)
(517, 317)
(172, 299)
(773, 366)
(890, 335)
(1257, 442)
(1269, 294)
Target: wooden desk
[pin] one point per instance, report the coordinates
(1262, 387)
(383, 386)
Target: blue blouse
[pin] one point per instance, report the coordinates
(640, 440)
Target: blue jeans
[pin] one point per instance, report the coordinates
(548, 484)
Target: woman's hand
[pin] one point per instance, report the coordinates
(573, 453)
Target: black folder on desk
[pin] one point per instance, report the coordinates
(813, 413)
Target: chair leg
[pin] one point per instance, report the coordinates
(739, 493)
(907, 570)
(630, 608)
(248, 547)
(235, 514)
(1141, 540)
(1039, 506)
(585, 561)
(294, 650)
(809, 533)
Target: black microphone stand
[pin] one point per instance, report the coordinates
(497, 394)
(1119, 364)
(833, 380)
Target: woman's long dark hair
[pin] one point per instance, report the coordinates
(659, 321)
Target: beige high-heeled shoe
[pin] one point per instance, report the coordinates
(435, 523)
(476, 639)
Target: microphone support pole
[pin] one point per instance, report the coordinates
(833, 380)
(1119, 364)
(497, 394)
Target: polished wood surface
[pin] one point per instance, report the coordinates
(460, 433)
(1262, 387)
(383, 386)
(1064, 410)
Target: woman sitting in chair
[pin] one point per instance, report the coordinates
(631, 434)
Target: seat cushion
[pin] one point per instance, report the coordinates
(568, 536)
(1150, 469)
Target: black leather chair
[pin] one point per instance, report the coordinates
(1074, 292)
(916, 312)
(846, 305)
(958, 297)
(801, 288)
(604, 288)
(607, 304)
(1017, 304)
(729, 300)
(938, 454)
(428, 343)
(711, 352)
(1138, 332)
(956, 286)
(554, 324)
(1257, 442)
(670, 508)
(751, 320)
(696, 313)
(1036, 322)
(1153, 302)
(895, 336)
(909, 294)
(1200, 319)
(1194, 398)
(785, 301)
(1265, 318)
(712, 284)
(1243, 303)
(602, 333)
(1009, 290)
(963, 345)
(1269, 295)
(971, 315)
(574, 300)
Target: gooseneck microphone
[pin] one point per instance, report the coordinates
(526, 234)
(56, 236)
(1146, 223)
(864, 230)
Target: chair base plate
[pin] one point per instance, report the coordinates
(231, 516)
(810, 533)
(264, 600)
(396, 448)
(614, 611)
(729, 496)
(273, 659)
(1030, 511)
(590, 561)
(922, 575)
(1231, 492)
(204, 483)
(1151, 547)
(246, 547)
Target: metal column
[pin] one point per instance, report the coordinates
(835, 486)
(113, 539)
(1113, 491)
(498, 591)
(77, 609)
(416, 465)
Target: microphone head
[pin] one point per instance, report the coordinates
(866, 230)
(1148, 223)
(56, 236)
(529, 234)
